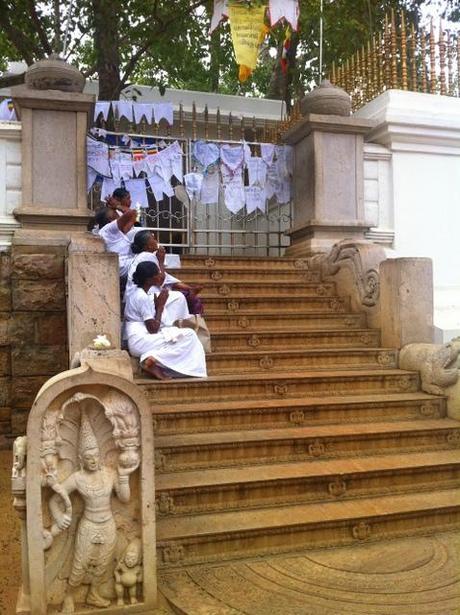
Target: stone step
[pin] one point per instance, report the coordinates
(290, 339)
(243, 448)
(228, 305)
(280, 385)
(260, 263)
(270, 413)
(202, 275)
(264, 321)
(238, 289)
(255, 361)
(227, 535)
(211, 490)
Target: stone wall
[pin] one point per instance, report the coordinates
(33, 330)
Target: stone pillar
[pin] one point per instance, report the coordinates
(328, 172)
(406, 301)
(54, 116)
(93, 282)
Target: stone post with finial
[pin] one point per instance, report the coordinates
(328, 174)
(54, 113)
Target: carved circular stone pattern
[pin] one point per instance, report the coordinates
(54, 73)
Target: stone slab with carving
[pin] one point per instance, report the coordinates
(436, 363)
(89, 522)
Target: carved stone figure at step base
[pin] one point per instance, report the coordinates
(128, 573)
(435, 362)
(96, 534)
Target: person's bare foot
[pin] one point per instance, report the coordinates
(150, 367)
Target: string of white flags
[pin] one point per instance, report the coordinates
(134, 111)
(219, 172)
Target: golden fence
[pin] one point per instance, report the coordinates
(402, 57)
(202, 124)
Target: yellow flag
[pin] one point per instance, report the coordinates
(246, 25)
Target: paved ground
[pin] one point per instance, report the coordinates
(413, 576)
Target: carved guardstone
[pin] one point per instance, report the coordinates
(88, 488)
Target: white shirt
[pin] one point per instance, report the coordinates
(120, 243)
(140, 258)
(139, 306)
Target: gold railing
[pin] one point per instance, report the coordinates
(402, 57)
(201, 123)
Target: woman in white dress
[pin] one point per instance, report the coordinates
(156, 345)
(145, 248)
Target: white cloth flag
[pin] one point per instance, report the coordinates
(232, 156)
(160, 187)
(268, 151)
(143, 110)
(233, 191)
(138, 192)
(283, 192)
(121, 164)
(91, 175)
(97, 154)
(108, 186)
(163, 111)
(123, 108)
(255, 198)
(5, 112)
(257, 171)
(273, 181)
(289, 9)
(205, 153)
(219, 13)
(193, 183)
(103, 107)
(210, 187)
(140, 164)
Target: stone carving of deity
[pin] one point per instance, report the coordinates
(96, 533)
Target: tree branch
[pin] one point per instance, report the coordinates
(39, 28)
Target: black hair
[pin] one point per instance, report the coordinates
(144, 271)
(141, 239)
(101, 217)
(120, 193)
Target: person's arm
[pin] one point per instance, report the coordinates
(161, 254)
(127, 220)
(153, 324)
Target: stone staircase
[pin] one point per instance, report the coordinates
(305, 434)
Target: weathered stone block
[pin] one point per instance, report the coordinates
(5, 297)
(39, 295)
(4, 326)
(5, 365)
(18, 422)
(21, 328)
(51, 330)
(5, 414)
(38, 360)
(5, 392)
(38, 266)
(24, 390)
(5, 266)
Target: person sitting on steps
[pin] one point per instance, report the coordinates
(159, 346)
(145, 248)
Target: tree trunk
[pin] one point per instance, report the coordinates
(106, 45)
(280, 87)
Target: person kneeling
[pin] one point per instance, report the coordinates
(156, 345)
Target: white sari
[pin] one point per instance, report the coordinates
(177, 349)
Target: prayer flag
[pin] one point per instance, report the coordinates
(247, 29)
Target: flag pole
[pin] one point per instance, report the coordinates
(321, 43)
